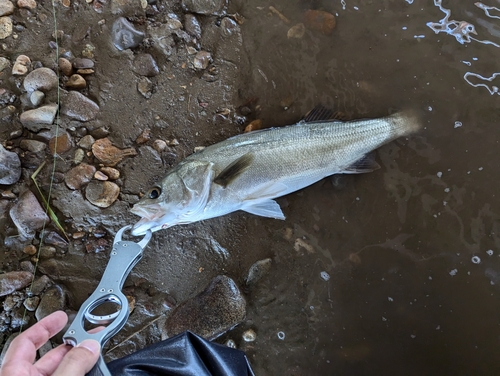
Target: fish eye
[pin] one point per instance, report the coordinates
(154, 192)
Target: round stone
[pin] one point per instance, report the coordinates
(5, 27)
(43, 79)
(102, 193)
(76, 82)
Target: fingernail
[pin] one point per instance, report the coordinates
(92, 345)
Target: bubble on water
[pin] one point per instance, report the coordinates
(493, 89)
(404, 28)
(356, 8)
(468, 63)
(487, 8)
(476, 259)
(447, 190)
(458, 124)
(489, 252)
(480, 169)
(281, 335)
(413, 336)
(409, 1)
(390, 299)
(324, 276)
(383, 318)
(429, 108)
(453, 272)
(439, 174)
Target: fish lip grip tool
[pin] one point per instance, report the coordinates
(123, 257)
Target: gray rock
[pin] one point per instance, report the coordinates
(192, 26)
(32, 145)
(124, 35)
(27, 266)
(36, 98)
(28, 215)
(79, 176)
(13, 281)
(40, 284)
(10, 166)
(144, 86)
(258, 270)
(53, 300)
(86, 142)
(53, 238)
(19, 318)
(37, 119)
(6, 345)
(202, 59)
(5, 27)
(31, 303)
(162, 39)
(4, 62)
(43, 79)
(208, 7)
(83, 63)
(145, 65)
(78, 106)
(6, 8)
(214, 311)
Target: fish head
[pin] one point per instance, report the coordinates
(179, 198)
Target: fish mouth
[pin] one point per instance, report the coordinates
(151, 219)
(147, 211)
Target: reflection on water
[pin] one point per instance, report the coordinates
(397, 271)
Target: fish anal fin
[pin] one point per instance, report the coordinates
(321, 113)
(265, 208)
(366, 164)
(233, 170)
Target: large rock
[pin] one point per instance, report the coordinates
(78, 106)
(43, 79)
(13, 281)
(10, 166)
(37, 119)
(28, 215)
(214, 311)
(6, 8)
(53, 300)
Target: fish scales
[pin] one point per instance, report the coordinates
(274, 162)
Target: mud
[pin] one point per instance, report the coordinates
(411, 250)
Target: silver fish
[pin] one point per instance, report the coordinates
(246, 172)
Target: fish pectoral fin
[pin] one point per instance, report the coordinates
(363, 165)
(266, 208)
(234, 169)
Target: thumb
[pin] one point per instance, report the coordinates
(80, 359)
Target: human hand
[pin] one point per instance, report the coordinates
(64, 360)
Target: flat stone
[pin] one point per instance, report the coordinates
(32, 145)
(4, 62)
(76, 82)
(65, 66)
(102, 193)
(37, 97)
(34, 120)
(5, 27)
(192, 26)
(111, 173)
(28, 4)
(207, 7)
(43, 79)
(40, 284)
(60, 144)
(145, 86)
(28, 215)
(6, 8)
(53, 300)
(145, 65)
(163, 41)
(79, 176)
(13, 281)
(109, 154)
(10, 166)
(124, 35)
(83, 63)
(214, 311)
(202, 59)
(258, 270)
(86, 142)
(77, 106)
(21, 65)
(31, 303)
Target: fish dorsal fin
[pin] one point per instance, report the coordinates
(366, 164)
(233, 170)
(321, 113)
(266, 208)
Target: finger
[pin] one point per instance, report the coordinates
(24, 346)
(80, 359)
(47, 364)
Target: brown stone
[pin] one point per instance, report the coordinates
(60, 144)
(108, 154)
(76, 82)
(318, 20)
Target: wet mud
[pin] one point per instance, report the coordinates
(396, 271)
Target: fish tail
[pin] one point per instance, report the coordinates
(406, 122)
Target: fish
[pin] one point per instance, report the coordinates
(248, 171)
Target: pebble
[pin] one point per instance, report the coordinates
(86, 142)
(99, 175)
(19, 318)
(253, 126)
(27, 266)
(79, 176)
(192, 26)
(83, 63)
(28, 4)
(108, 154)
(77, 106)
(214, 311)
(229, 27)
(43, 79)
(13, 281)
(65, 66)
(76, 82)
(79, 155)
(36, 98)
(31, 303)
(102, 194)
(54, 299)
(162, 39)
(47, 252)
(144, 137)
(249, 335)
(60, 144)
(10, 166)
(111, 173)
(144, 86)
(124, 35)
(145, 65)
(34, 120)
(296, 31)
(4, 62)
(6, 8)
(207, 7)
(21, 65)
(30, 250)
(202, 59)
(5, 27)
(258, 270)
(32, 145)
(40, 284)
(53, 238)
(318, 20)
(28, 215)
(159, 145)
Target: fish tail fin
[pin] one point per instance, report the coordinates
(406, 122)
